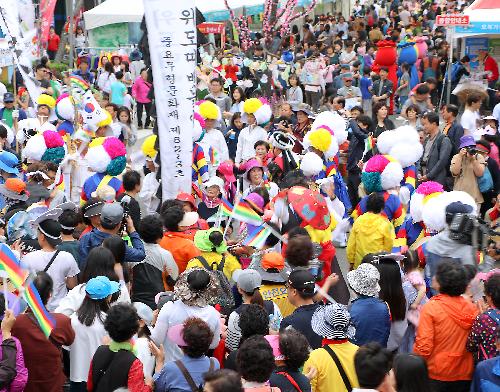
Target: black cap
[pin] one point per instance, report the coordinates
(458, 207)
(303, 281)
(8, 97)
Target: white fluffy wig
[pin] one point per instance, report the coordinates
(434, 211)
(402, 143)
(335, 125)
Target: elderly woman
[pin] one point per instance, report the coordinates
(194, 290)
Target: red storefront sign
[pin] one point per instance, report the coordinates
(452, 20)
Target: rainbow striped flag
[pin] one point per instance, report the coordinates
(257, 238)
(243, 212)
(227, 207)
(77, 82)
(10, 264)
(370, 144)
(44, 318)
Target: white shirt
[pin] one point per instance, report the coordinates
(160, 258)
(174, 313)
(87, 341)
(346, 58)
(215, 139)
(144, 355)
(64, 266)
(246, 141)
(469, 121)
(104, 81)
(73, 300)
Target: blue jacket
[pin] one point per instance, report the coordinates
(133, 254)
(372, 320)
(487, 376)
(454, 134)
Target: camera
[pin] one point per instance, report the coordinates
(471, 150)
(315, 266)
(125, 203)
(469, 230)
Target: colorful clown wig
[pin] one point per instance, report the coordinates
(259, 108)
(45, 99)
(106, 121)
(402, 143)
(198, 127)
(207, 110)
(327, 132)
(148, 147)
(434, 212)
(65, 109)
(425, 192)
(381, 173)
(107, 155)
(47, 146)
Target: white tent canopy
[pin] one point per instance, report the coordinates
(119, 11)
(114, 11)
(483, 19)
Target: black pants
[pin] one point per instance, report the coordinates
(353, 181)
(450, 386)
(51, 54)
(140, 107)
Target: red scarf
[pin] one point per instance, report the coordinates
(326, 341)
(494, 214)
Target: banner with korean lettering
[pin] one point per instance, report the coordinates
(172, 44)
(47, 15)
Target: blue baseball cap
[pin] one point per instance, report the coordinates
(101, 287)
(8, 98)
(9, 162)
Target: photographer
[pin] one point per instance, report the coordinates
(466, 167)
(112, 218)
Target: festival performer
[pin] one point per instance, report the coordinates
(150, 184)
(206, 114)
(284, 160)
(322, 142)
(403, 143)
(413, 228)
(383, 174)
(257, 114)
(299, 206)
(31, 126)
(106, 157)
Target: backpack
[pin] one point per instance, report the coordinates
(485, 182)
(225, 297)
(430, 66)
(455, 67)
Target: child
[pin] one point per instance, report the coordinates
(69, 220)
(141, 344)
(233, 133)
(414, 288)
(128, 134)
(115, 127)
(294, 92)
(209, 206)
(118, 90)
(215, 139)
(375, 233)
(365, 84)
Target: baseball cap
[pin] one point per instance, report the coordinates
(458, 207)
(249, 280)
(101, 287)
(8, 97)
(111, 214)
(144, 312)
(347, 76)
(303, 281)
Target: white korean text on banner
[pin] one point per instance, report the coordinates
(172, 43)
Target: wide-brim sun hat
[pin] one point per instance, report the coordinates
(201, 298)
(9, 162)
(333, 321)
(467, 141)
(281, 140)
(364, 280)
(303, 107)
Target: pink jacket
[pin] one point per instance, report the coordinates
(21, 379)
(140, 90)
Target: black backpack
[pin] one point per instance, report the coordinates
(225, 296)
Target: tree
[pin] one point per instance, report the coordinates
(275, 19)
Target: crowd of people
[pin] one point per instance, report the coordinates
(334, 136)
